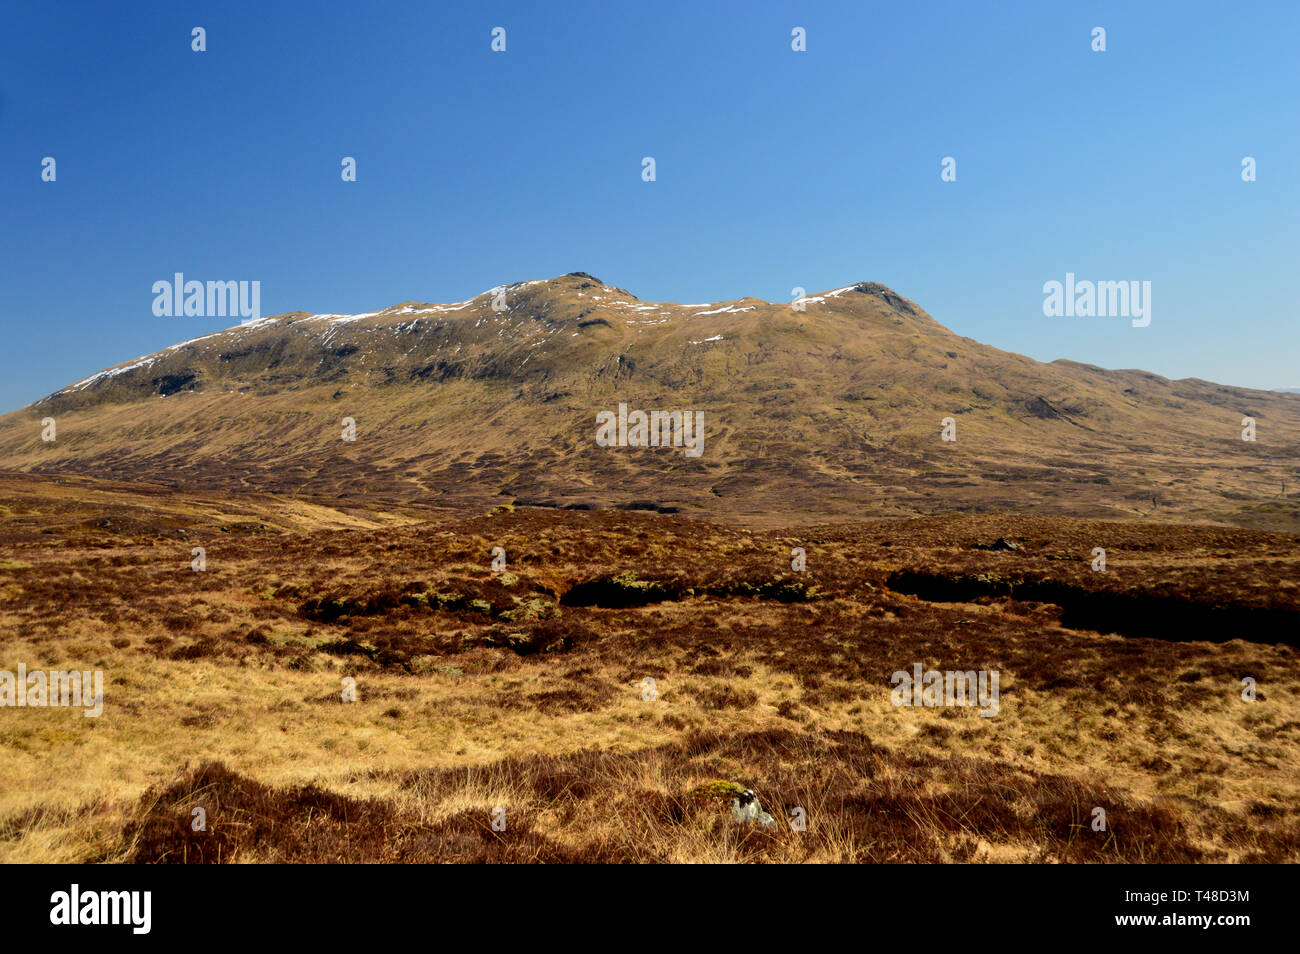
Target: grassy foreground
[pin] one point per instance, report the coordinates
(527, 689)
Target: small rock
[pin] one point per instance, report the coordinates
(1002, 543)
(745, 808)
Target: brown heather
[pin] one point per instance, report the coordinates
(1119, 690)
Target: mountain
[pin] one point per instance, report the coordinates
(833, 411)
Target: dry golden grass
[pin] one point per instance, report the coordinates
(479, 690)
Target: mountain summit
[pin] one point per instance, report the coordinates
(832, 405)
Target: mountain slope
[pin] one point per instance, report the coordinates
(832, 411)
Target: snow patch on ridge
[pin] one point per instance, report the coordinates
(726, 309)
(110, 373)
(818, 299)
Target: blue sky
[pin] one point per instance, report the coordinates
(775, 169)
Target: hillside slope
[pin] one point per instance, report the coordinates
(833, 411)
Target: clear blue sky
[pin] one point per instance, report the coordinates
(776, 169)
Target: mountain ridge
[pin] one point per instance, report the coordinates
(585, 282)
(831, 405)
